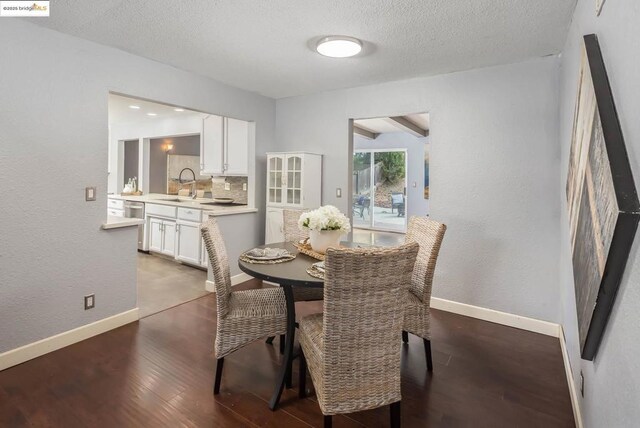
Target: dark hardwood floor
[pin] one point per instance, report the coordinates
(159, 373)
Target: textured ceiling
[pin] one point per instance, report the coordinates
(267, 46)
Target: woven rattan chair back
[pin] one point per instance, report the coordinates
(292, 232)
(219, 263)
(363, 317)
(428, 234)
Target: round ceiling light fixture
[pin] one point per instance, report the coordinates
(339, 46)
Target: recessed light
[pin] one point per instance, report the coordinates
(151, 114)
(134, 107)
(178, 109)
(339, 46)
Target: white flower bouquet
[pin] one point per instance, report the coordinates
(326, 226)
(327, 217)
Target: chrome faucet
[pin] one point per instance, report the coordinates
(194, 183)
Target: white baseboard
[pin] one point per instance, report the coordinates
(573, 392)
(504, 318)
(53, 343)
(235, 280)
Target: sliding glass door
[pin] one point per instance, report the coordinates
(379, 189)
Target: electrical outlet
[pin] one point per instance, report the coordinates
(89, 193)
(244, 186)
(338, 192)
(581, 383)
(227, 186)
(89, 301)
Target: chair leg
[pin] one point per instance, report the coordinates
(427, 353)
(282, 342)
(216, 385)
(395, 414)
(302, 380)
(328, 421)
(405, 336)
(270, 340)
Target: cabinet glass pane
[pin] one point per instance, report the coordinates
(278, 180)
(298, 163)
(290, 163)
(296, 196)
(278, 196)
(272, 195)
(289, 180)
(297, 180)
(279, 164)
(289, 196)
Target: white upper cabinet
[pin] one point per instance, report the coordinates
(294, 180)
(224, 146)
(211, 145)
(236, 147)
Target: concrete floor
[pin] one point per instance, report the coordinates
(383, 218)
(164, 283)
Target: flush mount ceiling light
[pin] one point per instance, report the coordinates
(134, 107)
(339, 46)
(178, 109)
(152, 114)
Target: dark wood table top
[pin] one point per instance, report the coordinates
(293, 272)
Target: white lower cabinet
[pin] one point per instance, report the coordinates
(274, 227)
(162, 236)
(176, 233)
(188, 242)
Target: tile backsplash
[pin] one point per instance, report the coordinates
(235, 191)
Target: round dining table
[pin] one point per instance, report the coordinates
(288, 275)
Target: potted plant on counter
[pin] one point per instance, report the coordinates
(326, 226)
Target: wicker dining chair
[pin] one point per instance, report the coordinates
(292, 233)
(352, 348)
(417, 316)
(243, 316)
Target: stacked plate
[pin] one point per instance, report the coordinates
(268, 254)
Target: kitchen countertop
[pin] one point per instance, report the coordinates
(118, 222)
(186, 202)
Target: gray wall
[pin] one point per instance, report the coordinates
(131, 156)
(494, 173)
(612, 380)
(416, 203)
(189, 145)
(52, 251)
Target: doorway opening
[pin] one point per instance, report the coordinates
(389, 175)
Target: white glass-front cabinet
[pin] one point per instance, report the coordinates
(293, 181)
(224, 146)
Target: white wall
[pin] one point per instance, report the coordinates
(53, 126)
(494, 168)
(415, 146)
(612, 380)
